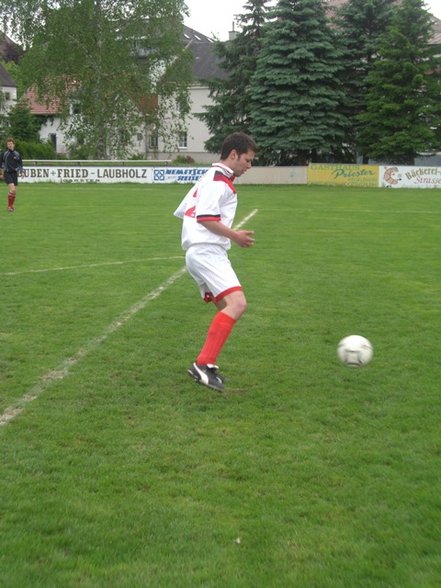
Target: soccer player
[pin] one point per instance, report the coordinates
(11, 165)
(207, 212)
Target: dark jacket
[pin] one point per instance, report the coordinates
(11, 161)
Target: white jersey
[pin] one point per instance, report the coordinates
(212, 198)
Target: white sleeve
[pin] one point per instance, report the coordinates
(180, 211)
(209, 196)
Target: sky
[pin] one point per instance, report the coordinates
(215, 17)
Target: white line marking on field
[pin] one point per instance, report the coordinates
(247, 218)
(90, 265)
(63, 370)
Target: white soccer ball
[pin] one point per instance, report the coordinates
(355, 351)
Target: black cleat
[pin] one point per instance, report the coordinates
(207, 375)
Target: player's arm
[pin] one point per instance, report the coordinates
(242, 238)
(20, 169)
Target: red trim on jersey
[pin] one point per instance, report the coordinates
(226, 292)
(208, 217)
(220, 177)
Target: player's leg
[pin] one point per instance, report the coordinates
(11, 196)
(204, 370)
(230, 308)
(233, 304)
(218, 282)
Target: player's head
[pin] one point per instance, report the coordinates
(238, 151)
(239, 142)
(10, 143)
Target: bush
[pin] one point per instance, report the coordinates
(183, 160)
(30, 150)
(77, 151)
(137, 157)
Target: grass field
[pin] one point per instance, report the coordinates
(118, 471)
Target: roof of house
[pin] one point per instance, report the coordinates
(9, 51)
(206, 64)
(5, 79)
(436, 39)
(36, 107)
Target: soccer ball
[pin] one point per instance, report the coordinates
(355, 351)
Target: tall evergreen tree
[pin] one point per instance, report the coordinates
(106, 59)
(229, 111)
(360, 25)
(403, 115)
(295, 90)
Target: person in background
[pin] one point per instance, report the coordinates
(12, 167)
(207, 214)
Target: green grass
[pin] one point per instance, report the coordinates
(121, 472)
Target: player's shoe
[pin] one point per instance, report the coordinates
(11, 209)
(207, 375)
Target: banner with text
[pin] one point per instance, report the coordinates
(110, 174)
(334, 174)
(399, 176)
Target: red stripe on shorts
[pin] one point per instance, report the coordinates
(226, 292)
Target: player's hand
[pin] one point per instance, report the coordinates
(245, 238)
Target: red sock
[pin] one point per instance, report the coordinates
(11, 199)
(219, 331)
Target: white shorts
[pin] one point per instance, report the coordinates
(211, 269)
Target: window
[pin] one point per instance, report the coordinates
(183, 140)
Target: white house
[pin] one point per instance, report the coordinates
(9, 51)
(191, 142)
(9, 91)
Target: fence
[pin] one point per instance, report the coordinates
(373, 176)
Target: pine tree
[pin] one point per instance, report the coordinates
(295, 90)
(403, 115)
(229, 111)
(360, 25)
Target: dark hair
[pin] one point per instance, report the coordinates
(241, 142)
(10, 140)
